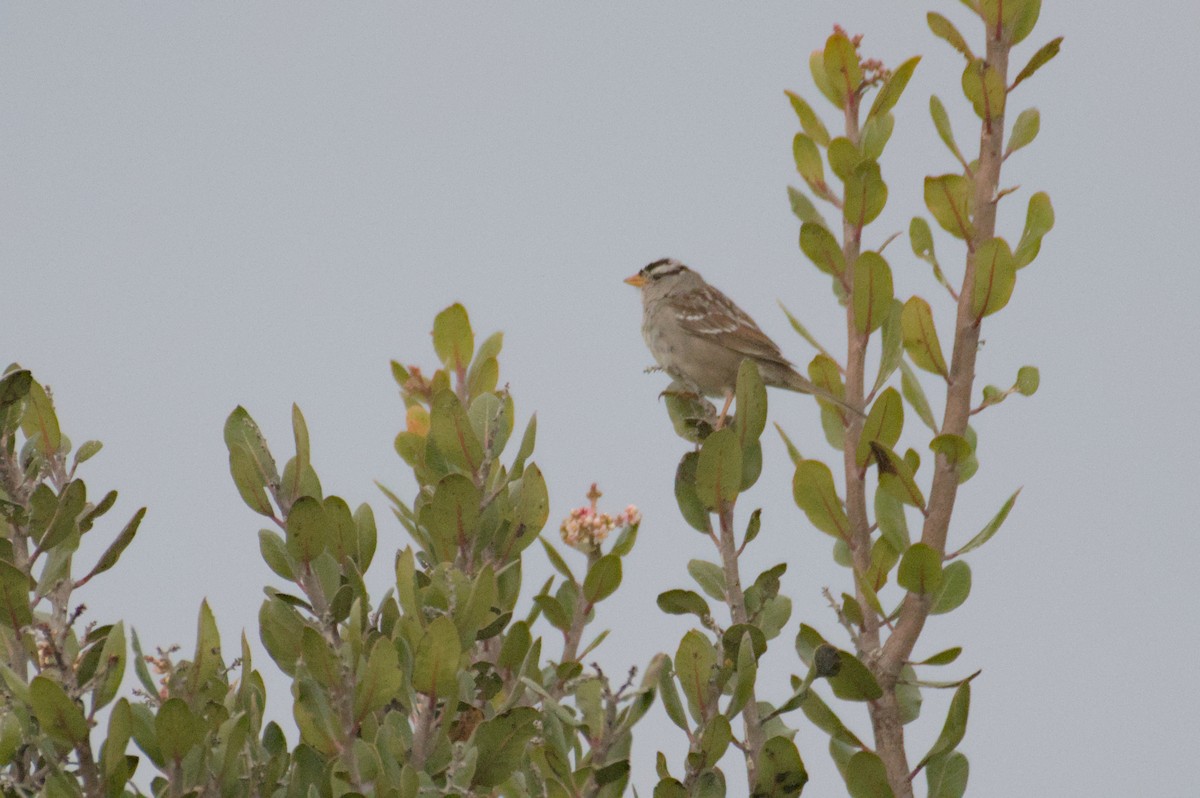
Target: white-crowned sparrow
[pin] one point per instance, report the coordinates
(700, 337)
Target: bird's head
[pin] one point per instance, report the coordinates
(664, 276)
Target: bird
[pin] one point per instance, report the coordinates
(700, 337)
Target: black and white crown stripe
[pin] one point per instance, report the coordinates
(663, 268)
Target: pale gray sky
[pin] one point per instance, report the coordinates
(206, 204)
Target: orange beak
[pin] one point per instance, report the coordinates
(637, 280)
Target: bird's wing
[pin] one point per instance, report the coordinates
(712, 315)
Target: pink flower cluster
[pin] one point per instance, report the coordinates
(585, 528)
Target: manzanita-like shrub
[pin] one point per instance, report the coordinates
(450, 684)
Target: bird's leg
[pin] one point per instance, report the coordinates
(724, 410)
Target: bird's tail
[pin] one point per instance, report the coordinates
(794, 381)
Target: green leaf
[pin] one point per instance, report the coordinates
(890, 93)
(1028, 380)
(526, 449)
(993, 526)
(87, 450)
(752, 526)
(920, 569)
(844, 157)
(915, 395)
(866, 777)
(781, 772)
(553, 609)
(248, 480)
(113, 761)
(280, 628)
(690, 506)
(984, 87)
(14, 597)
(602, 579)
(315, 717)
(380, 682)
(998, 15)
(883, 425)
(668, 693)
(303, 460)
(1023, 21)
(816, 66)
(745, 677)
(452, 337)
(38, 422)
(866, 194)
(751, 404)
(709, 576)
(558, 562)
(715, 740)
(808, 160)
(451, 433)
(694, 662)
(343, 535)
(815, 494)
(921, 238)
(274, 554)
(1039, 220)
(824, 718)
(943, 657)
(682, 602)
(995, 277)
(114, 551)
(308, 529)
(58, 716)
(792, 451)
(920, 336)
(842, 71)
(941, 122)
(452, 517)
(532, 507)
(908, 695)
(502, 745)
(319, 659)
(853, 681)
(1039, 59)
(876, 134)
(872, 291)
(889, 515)
(1024, 131)
(516, 644)
(804, 209)
(719, 469)
(491, 420)
(956, 449)
(241, 430)
(206, 662)
(944, 29)
(435, 663)
(177, 729)
(950, 199)
(819, 245)
(65, 524)
(490, 348)
(955, 727)
(112, 667)
(809, 121)
(891, 355)
(670, 788)
(947, 775)
(139, 666)
(14, 387)
(954, 589)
